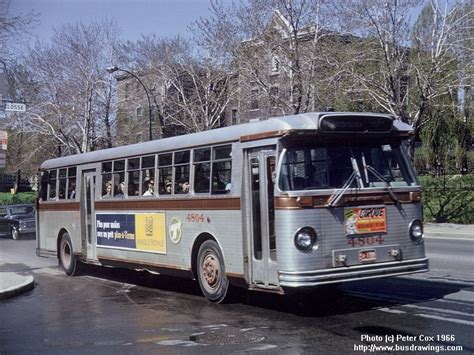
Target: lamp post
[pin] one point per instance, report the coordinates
(113, 69)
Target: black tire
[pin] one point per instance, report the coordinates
(67, 259)
(211, 272)
(15, 233)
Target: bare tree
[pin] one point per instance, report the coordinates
(402, 76)
(278, 49)
(68, 90)
(14, 31)
(441, 63)
(190, 91)
(198, 95)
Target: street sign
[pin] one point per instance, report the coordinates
(16, 107)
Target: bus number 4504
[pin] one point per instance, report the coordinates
(363, 241)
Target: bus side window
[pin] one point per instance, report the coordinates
(148, 175)
(221, 169)
(181, 172)
(71, 184)
(43, 194)
(62, 184)
(133, 166)
(165, 172)
(107, 180)
(202, 170)
(52, 184)
(120, 189)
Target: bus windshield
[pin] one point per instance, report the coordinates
(331, 166)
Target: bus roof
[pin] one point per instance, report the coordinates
(276, 126)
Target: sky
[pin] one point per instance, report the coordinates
(134, 17)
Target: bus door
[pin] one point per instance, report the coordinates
(261, 180)
(89, 240)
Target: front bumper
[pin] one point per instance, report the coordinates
(27, 230)
(27, 227)
(311, 278)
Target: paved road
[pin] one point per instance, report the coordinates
(112, 311)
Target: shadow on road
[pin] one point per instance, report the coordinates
(320, 302)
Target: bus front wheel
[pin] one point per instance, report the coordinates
(211, 272)
(67, 259)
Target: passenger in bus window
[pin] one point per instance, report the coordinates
(185, 187)
(168, 187)
(150, 189)
(108, 190)
(72, 190)
(121, 191)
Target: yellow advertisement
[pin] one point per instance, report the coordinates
(150, 232)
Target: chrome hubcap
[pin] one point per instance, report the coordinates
(210, 270)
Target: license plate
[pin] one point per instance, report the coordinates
(367, 256)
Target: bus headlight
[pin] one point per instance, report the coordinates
(416, 231)
(305, 239)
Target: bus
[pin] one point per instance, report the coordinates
(281, 205)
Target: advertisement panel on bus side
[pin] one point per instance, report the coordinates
(139, 231)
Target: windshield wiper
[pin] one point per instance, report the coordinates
(334, 199)
(368, 168)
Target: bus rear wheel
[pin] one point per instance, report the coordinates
(67, 259)
(211, 272)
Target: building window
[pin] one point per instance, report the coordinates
(127, 90)
(233, 116)
(275, 65)
(254, 99)
(274, 96)
(139, 111)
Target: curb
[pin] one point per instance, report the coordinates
(444, 235)
(25, 284)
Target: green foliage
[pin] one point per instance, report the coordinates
(448, 198)
(19, 198)
(445, 140)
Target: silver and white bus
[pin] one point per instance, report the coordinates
(279, 205)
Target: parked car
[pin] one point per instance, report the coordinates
(17, 220)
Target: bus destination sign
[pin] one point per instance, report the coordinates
(352, 123)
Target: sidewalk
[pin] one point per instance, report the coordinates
(12, 284)
(449, 230)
